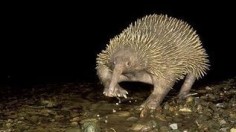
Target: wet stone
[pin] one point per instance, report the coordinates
(221, 105)
(225, 129)
(164, 129)
(160, 117)
(208, 88)
(122, 113)
(190, 100)
(203, 118)
(73, 130)
(34, 119)
(74, 123)
(174, 126)
(178, 119)
(136, 127)
(211, 96)
(232, 115)
(233, 129)
(90, 125)
(185, 109)
(145, 127)
(222, 122)
(8, 124)
(176, 130)
(132, 119)
(75, 119)
(232, 120)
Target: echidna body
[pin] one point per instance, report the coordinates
(156, 49)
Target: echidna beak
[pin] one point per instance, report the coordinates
(117, 71)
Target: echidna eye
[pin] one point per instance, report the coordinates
(128, 64)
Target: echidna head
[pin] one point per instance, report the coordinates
(123, 61)
(126, 61)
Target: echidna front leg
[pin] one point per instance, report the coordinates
(187, 85)
(161, 88)
(105, 76)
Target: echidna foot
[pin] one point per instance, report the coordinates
(116, 92)
(150, 105)
(146, 111)
(183, 95)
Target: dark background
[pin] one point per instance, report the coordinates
(58, 42)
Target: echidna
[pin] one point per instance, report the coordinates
(156, 49)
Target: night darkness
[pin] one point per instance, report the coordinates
(58, 42)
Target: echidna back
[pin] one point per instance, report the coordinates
(170, 46)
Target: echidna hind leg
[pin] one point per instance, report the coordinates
(187, 85)
(161, 88)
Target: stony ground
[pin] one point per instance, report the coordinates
(81, 107)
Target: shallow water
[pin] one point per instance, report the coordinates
(76, 107)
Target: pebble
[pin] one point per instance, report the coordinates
(137, 127)
(174, 126)
(208, 88)
(73, 130)
(75, 119)
(123, 113)
(132, 118)
(224, 129)
(222, 122)
(8, 125)
(164, 129)
(74, 123)
(221, 105)
(233, 130)
(185, 109)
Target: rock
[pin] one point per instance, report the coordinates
(73, 130)
(8, 124)
(150, 125)
(132, 119)
(123, 113)
(221, 105)
(90, 125)
(224, 129)
(75, 119)
(185, 109)
(34, 119)
(137, 127)
(222, 122)
(208, 88)
(233, 130)
(174, 126)
(74, 123)
(164, 129)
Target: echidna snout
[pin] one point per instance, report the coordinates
(123, 62)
